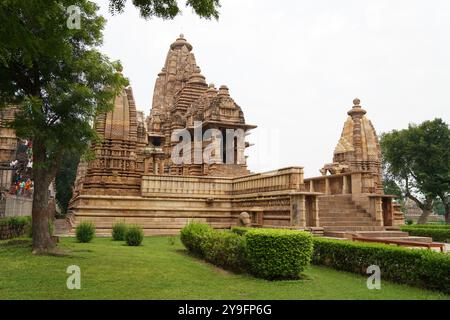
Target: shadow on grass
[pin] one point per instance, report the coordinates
(16, 243)
(56, 252)
(186, 253)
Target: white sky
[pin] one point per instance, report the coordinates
(295, 66)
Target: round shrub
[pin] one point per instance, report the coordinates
(119, 231)
(134, 236)
(193, 235)
(276, 254)
(85, 231)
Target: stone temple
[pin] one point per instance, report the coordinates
(134, 179)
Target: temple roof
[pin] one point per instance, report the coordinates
(178, 68)
(121, 122)
(369, 140)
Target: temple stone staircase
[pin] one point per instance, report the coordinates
(342, 218)
(340, 213)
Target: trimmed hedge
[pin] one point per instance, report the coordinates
(266, 253)
(12, 227)
(192, 236)
(278, 254)
(225, 249)
(430, 226)
(423, 268)
(437, 234)
(240, 230)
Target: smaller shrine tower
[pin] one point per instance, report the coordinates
(358, 151)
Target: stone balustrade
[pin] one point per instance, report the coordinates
(279, 180)
(329, 185)
(188, 185)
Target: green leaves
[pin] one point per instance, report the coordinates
(278, 254)
(419, 267)
(55, 75)
(417, 160)
(266, 253)
(437, 233)
(134, 236)
(168, 9)
(85, 232)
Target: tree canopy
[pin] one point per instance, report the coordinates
(168, 9)
(58, 81)
(417, 159)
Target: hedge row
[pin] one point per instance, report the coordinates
(277, 253)
(423, 268)
(266, 253)
(430, 226)
(223, 249)
(12, 227)
(437, 234)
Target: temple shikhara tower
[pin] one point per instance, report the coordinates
(181, 98)
(136, 176)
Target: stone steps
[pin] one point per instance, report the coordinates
(346, 218)
(339, 213)
(409, 238)
(352, 228)
(384, 234)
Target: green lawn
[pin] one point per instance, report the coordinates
(162, 270)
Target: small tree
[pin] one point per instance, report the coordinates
(417, 159)
(50, 69)
(59, 82)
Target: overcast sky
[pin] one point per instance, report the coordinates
(295, 66)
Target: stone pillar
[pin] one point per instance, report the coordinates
(161, 167)
(315, 211)
(376, 209)
(327, 186)
(345, 188)
(356, 183)
(298, 210)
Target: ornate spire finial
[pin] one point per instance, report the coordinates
(223, 91)
(181, 42)
(356, 109)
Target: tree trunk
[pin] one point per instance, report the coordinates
(445, 202)
(424, 216)
(42, 241)
(447, 213)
